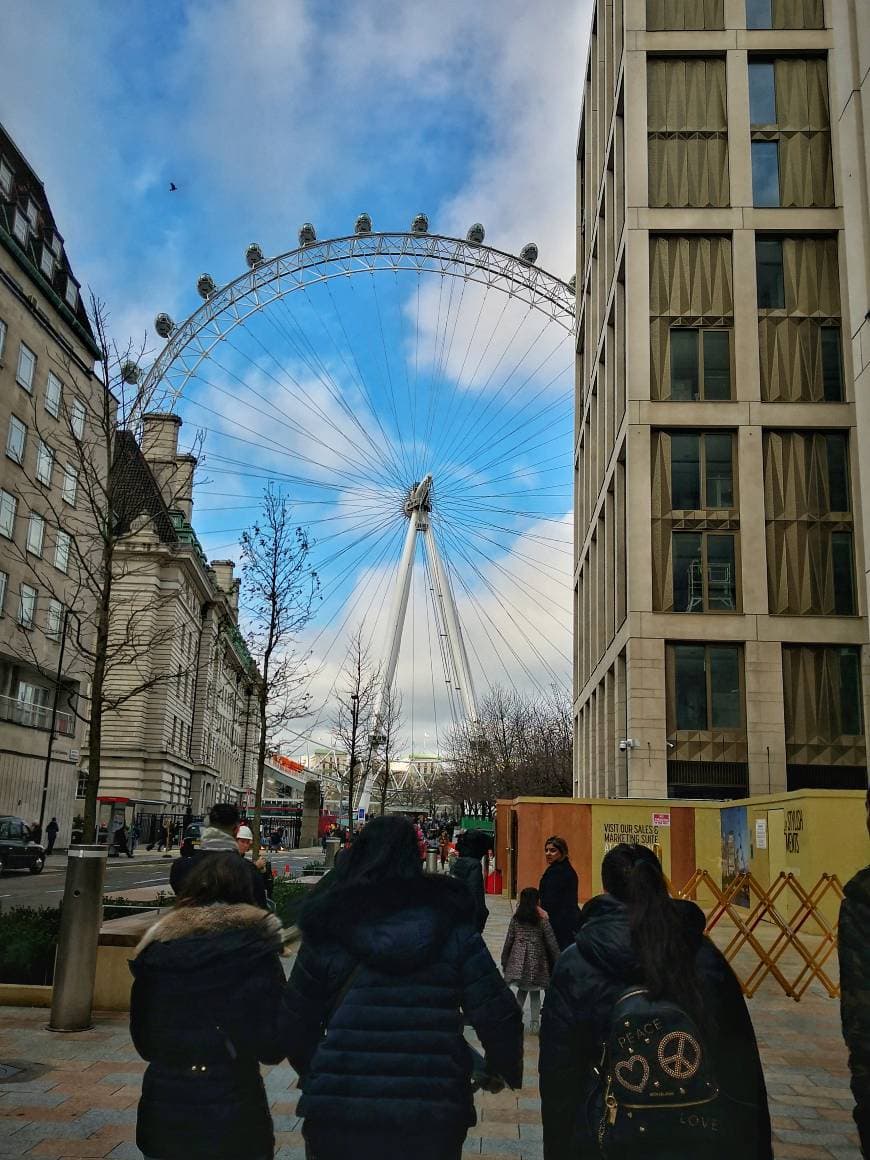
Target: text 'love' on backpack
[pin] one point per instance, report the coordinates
(655, 1082)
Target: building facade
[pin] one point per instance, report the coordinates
(722, 257)
(187, 736)
(48, 398)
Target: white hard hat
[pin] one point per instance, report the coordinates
(245, 832)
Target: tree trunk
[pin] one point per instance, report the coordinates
(261, 766)
(95, 718)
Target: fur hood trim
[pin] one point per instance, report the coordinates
(205, 921)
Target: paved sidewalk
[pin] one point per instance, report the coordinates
(80, 1099)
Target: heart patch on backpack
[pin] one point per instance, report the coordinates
(625, 1073)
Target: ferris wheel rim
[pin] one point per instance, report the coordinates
(540, 289)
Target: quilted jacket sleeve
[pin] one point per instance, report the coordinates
(854, 945)
(550, 943)
(491, 1007)
(306, 1003)
(508, 942)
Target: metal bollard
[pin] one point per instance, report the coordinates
(76, 963)
(332, 845)
(432, 860)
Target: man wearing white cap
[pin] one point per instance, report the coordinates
(245, 840)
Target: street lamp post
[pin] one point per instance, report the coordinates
(54, 701)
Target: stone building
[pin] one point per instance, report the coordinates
(722, 292)
(49, 396)
(189, 737)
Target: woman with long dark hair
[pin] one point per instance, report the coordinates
(559, 891)
(207, 988)
(390, 964)
(637, 945)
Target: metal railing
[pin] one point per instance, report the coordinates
(35, 716)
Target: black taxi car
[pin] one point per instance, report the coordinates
(17, 852)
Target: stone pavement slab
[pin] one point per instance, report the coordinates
(82, 1100)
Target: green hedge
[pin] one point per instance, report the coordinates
(115, 906)
(287, 896)
(28, 937)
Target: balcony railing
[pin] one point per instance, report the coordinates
(35, 716)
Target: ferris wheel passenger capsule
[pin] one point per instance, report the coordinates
(572, 281)
(476, 234)
(529, 253)
(205, 286)
(164, 325)
(363, 224)
(253, 255)
(307, 234)
(420, 224)
(130, 372)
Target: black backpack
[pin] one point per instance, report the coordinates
(655, 1087)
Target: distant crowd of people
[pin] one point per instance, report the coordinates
(646, 1047)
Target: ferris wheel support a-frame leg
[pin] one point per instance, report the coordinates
(417, 509)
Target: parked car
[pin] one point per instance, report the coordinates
(194, 832)
(17, 852)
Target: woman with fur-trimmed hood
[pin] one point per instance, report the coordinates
(207, 988)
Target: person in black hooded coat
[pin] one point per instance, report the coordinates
(854, 951)
(472, 846)
(207, 987)
(644, 937)
(390, 960)
(559, 889)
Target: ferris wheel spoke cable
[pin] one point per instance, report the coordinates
(409, 468)
(431, 663)
(558, 575)
(520, 427)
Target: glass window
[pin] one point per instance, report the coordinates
(765, 173)
(685, 473)
(56, 244)
(32, 212)
(35, 534)
(20, 227)
(718, 482)
(725, 687)
(721, 574)
(684, 364)
(838, 472)
(686, 552)
(841, 560)
(61, 551)
(2, 336)
(717, 364)
(769, 274)
(851, 723)
(70, 484)
(77, 419)
(5, 177)
(44, 463)
(26, 367)
(762, 93)
(46, 261)
(53, 393)
(832, 364)
(26, 605)
(16, 437)
(8, 504)
(72, 292)
(758, 14)
(53, 619)
(690, 686)
(4, 584)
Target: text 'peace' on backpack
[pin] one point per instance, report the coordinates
(655, 1082)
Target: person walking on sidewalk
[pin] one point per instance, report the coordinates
(854, 949)
(644, 1006)
(207, 984)
(471, 846)
(559, 891)
(530, 953)
(219, 836)
(120, 841)
(389, 965)
(51, 833)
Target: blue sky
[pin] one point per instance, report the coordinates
(272, 113)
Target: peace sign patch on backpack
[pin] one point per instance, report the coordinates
(655, 1082)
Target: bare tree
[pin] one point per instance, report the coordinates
(111, 642)
(279, 589)
(391, 722)
(359, 684)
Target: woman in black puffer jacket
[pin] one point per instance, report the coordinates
(634, 936)
(390, 961)
(206, 994)
(472, 847)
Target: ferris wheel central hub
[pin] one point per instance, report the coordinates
(419, 498)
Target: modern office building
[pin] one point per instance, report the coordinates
(723, 250)
(48, 395)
